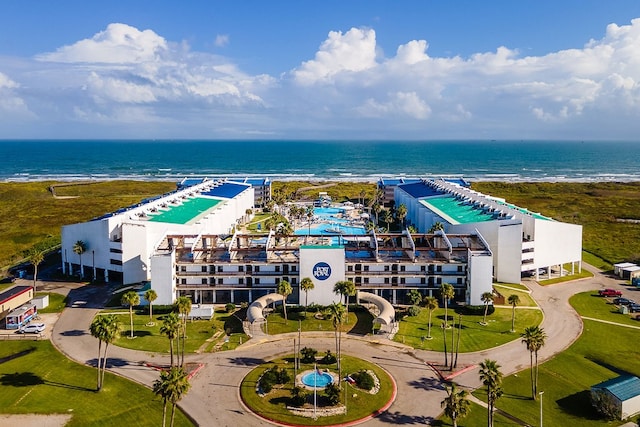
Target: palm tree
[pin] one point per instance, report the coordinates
(306, 284)
(431, 303)
(387, 217)
(171, 328)
(513, 300)
(130, 298)
(309, 212)
(336, 313)
(150, 295)
(491, 377)
(456, 405)
(35, 257)
(183, 307)
(376, 208)
(437, 226)
(284, 289)
(415, 297)
(79, 248)
(534, 338)
(98, 329)
(401, 213)
(171, 386)
(446, 293)
(345, 288)
(111, 333)
(486, 297)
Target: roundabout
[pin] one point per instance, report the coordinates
(317, 396)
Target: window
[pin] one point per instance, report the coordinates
(358, 280)
(277, 268)
(386, 280)
(402, 268)
(350, 268)
(423, 281)
(366, 280)
(294, 268)
(439, 280)
(256, 281)
(366, 268)
(241, 281)
(203, 269)
(459, 269)
(386, 268)
(257, 269)
(115, 262)
(212, 281)
(220, 269)
(460, 281)
(277, 280)
(241, 268)
(204, 281)
(115, 251)
(183, 281)
(183, 268)
(439, 268)
(423, 268)
(220, 282)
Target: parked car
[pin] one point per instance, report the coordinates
(634, 308)
(32, 328)
(609, 292)
(8, 279)
(623, 301)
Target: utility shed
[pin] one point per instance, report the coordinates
(624, 394)
(617, 268)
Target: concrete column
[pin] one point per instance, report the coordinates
(106, 275)
(250, 296)
(232, 296)
(393, 296)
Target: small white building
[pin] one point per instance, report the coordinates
(623, 392)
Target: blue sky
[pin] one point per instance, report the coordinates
(330, 69)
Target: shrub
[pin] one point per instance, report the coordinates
(273, 376)
(363, 380)
(414, 310)
(328, 358)
(332, 391)
(477, 310)
(230, 307)
(308, 354)
(298, 396)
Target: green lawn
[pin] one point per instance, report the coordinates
(273, 405)
(591, 305)
(525, 297)
(35, 378)
(474, 336)
(583, 274)
(57, 302)
(149, 338)
(602, 352)
(512, 285)
(360, 321)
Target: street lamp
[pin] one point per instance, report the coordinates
(540, 394)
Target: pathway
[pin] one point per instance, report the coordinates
(419, 388)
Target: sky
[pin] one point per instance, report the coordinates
(349, 69)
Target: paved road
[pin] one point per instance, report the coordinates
(214, 400)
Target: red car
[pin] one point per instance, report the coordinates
(609, 293)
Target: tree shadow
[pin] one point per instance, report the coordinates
(116, 362)
(73, 333)
(398, 418)
(246, 361)
(426, 383)
(579, 405)
(16, 355)
(364, 322)
(29, 379)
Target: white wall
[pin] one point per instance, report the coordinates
(163, 281)
(557, 243)
(479, 274)
(310, 256)
(630, 407)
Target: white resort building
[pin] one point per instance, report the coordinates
(187, 243)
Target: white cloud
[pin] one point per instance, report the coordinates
(353, 51)
(118, 44)
(122, 75)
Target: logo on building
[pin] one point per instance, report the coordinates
(321, 271)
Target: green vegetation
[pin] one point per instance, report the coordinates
(57, 302)
(208, 333)
(474, 336)
(35, 378)
(525, 299)
(512, 285)
(360, 321)
(273, 404)
(598, 206)
(603, 351)
(338, 191)
(589, 304)
(583, 274)
(31, 217)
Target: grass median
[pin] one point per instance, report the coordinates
(36, 379)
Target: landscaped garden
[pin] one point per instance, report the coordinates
(360, 321)
(286, 404)
(603, 351)
(35, 378)
(414, 330)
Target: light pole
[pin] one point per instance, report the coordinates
(540, 394)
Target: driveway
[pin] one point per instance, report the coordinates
(214, 396)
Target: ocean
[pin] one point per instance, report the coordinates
(579, 161)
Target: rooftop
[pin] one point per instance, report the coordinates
(456, 211)
(623, 387)
(12, 292)
(228, 190)
(188, 211)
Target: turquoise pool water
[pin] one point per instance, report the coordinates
(315, 379)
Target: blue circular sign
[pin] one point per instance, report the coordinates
(321, 271)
